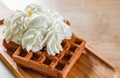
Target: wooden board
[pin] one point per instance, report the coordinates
(96, 15)
(90, 65)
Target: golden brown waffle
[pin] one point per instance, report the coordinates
(54, 66)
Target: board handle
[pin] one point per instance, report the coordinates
(106, 60)
(1, 21)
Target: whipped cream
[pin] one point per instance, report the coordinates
(36, 27)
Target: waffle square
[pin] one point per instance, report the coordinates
(54, 66)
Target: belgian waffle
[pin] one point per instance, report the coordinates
(54, 66)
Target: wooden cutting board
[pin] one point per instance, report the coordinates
(90, 65)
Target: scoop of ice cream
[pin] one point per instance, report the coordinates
(37, 27)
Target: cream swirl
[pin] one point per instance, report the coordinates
(15, 26)
(37, 27)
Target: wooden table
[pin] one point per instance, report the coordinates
(98, 22)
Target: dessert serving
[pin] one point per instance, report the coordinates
(40, 39)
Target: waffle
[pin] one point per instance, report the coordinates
(54, 66)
